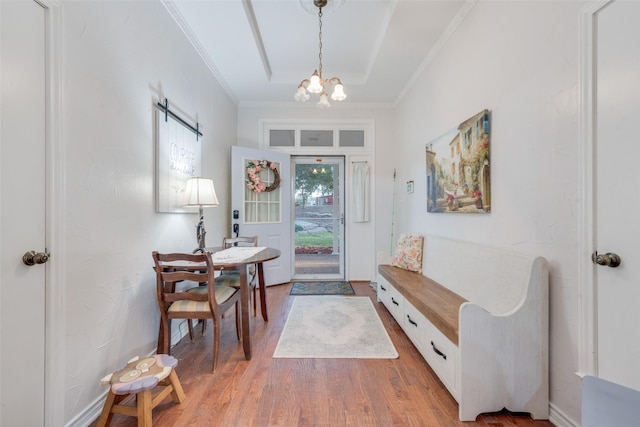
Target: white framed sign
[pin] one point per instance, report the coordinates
(178, 158)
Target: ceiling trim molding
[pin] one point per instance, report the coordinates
(312, 105)
(186, 29)
(257, 37)
(442, 40)
(379, 41)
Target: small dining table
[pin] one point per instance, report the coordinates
(259, 258)
(266, 254)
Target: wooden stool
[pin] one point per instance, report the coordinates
(139, 377)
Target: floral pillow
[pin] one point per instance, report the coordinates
(408, 252)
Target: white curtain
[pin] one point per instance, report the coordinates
(360, 191)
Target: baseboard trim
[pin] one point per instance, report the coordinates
(559, 418)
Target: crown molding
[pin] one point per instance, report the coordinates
(186, 29)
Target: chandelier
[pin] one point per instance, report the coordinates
(316, 83)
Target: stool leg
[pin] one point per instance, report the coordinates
(106, 415)
(177, 394)
(144, 408)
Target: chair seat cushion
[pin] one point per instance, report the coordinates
(232, 278)
(229, 279)
(223, 293)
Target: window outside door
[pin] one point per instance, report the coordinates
(318, 244)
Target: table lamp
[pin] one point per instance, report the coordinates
(200, 193)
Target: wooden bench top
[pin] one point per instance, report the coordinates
(434, 301)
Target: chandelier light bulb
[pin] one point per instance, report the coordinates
(314, 83)
(324, 101)
(301, 95)
(338, 93)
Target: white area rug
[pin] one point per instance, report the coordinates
(334, 327)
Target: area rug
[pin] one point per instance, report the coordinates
(337, 327)
(322, 288)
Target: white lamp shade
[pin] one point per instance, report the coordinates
(200, 192)
(338, 93)
(301, 95)
(314, 84)
(324, 101)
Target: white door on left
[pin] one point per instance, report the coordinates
(22, 212)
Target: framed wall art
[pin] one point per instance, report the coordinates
(458, 168)
(178, 158)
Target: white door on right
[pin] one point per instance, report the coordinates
(617, 159)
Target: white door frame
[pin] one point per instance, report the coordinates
(341, 235)
(363, 261)
(588, 355)
(55, 349)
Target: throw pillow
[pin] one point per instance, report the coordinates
(408, 252)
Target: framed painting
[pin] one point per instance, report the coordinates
(458, 168)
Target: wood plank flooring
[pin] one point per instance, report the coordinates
(308, 392)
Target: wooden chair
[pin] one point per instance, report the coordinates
(202, 301)
(232, 277)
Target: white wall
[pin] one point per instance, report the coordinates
(520, 60)
(119, 59)
(362, 238)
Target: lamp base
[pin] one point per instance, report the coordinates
(200, 233)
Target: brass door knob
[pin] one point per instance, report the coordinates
(33, 257)
(609, 259)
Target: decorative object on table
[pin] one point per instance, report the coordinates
(458, 168)
(257, 175)
(408, 252)
(140, 377)
(334, 327)
(203, 301)
(178, 158)
(339, 287)
(316, 83)
(200, 192)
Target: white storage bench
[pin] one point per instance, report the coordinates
(480, 318)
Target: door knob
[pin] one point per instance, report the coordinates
(33, 257)
(609, 259)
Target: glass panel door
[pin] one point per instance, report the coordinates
(319, 217)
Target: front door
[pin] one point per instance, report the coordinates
(261, 205)
(319, 217)
(617, 227)
(22, 212)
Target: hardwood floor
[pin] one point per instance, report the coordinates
(308, 392)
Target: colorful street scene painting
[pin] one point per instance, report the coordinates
(458, 166)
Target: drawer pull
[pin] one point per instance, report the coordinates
(412, 322)
(438, 352)
(394, 301)
(383, 288)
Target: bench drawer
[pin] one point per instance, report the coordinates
(396, 305)
(384, 291)
(442, 356)
(415, 326)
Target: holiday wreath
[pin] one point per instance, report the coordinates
(255, 183)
